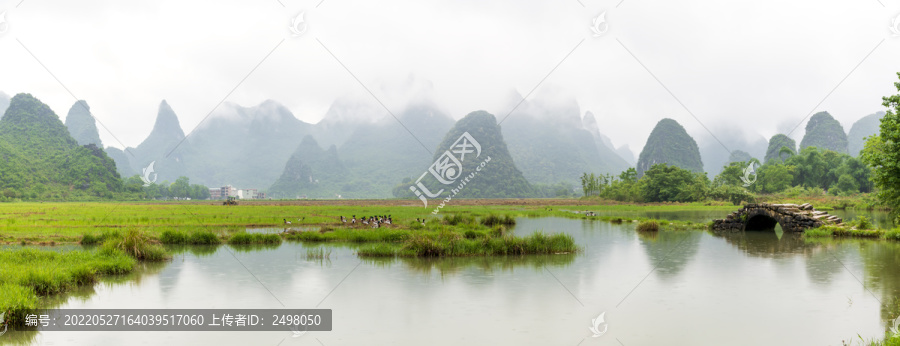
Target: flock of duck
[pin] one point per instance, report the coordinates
(374, 221)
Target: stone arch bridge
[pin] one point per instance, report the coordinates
(762, 216)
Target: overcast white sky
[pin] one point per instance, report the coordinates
(759, 65)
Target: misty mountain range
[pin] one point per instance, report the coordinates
(268, 148)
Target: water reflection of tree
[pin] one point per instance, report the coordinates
(881, 261)
(820, 264)
(767, 245)
(670, 251)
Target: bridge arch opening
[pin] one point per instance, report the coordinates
(760, 223)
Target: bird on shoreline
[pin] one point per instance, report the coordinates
(286, 222)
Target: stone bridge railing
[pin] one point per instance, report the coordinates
(791, 217)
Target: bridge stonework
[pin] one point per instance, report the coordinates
(791, 217)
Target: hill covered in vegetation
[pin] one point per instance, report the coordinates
(311, 172)
(82, 126)
(490, 173)
(42, 161)
(669, 143)
(862, 128)
(776, 143)
(824, 132)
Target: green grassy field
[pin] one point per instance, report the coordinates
(57, 223)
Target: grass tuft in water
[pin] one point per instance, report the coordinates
(648, 226)
(196, 237)
(318, 254)
(377, 250)
(821, 232)
(241, 238)
(491, 220)
(137, 245)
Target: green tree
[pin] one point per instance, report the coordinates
(811, 168)
(847, 184)
(882, 153)
(731, 174)
(629, 175)
(664, 183)
(774, 178)
(180, 188)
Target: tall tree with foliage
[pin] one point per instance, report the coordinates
(664, 183)
(882, 153)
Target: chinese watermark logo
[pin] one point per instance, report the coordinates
(748, 172)
(447, 169)
(145, 176)
(599, 25)
(895, 328)
(595, 326)
(4, 26)
(298, 25)
(895, 26)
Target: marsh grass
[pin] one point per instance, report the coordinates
(648, 226)
(195, 237)
(847, 232)
(243, 238)
(17, 301)
(75, 222)
(26, 274)
(887, 341)
(458, 219)
(138, 245)
(818, 233)
(96, 239)
(377, 250)
(491, 220)
(318, 253)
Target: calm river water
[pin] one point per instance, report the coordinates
(675, 288)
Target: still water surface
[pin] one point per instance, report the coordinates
(675, 288)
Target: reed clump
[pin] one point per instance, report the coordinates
(648, 226)
(136, 244)
(196, 237)
(242, 238)
(492, 220)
